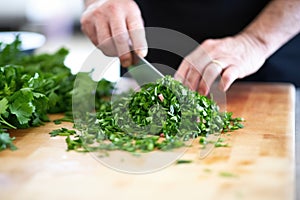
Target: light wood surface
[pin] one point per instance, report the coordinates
(259, 164)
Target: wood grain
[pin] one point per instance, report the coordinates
(259, 164)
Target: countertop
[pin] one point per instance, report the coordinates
(258, 164)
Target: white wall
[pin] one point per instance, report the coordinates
(40, 12)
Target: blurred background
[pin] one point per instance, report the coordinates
(58, 21)
(54, 18)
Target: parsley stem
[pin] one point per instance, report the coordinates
(6, 123)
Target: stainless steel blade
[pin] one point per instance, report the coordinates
(143, 71)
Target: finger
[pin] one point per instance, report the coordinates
(92, 34)
(105, 40)
(199, 59)
(90, 30)
(229, 75)
(137, 34)
(182, 71)
(211, 72)
(121, 40)
(192, 78)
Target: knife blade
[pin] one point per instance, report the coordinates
(143, 71)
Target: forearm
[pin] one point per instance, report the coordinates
(275, 25)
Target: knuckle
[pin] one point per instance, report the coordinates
(214, 48)
(98, 13)
(211, 45)
(208, 42)
(134, 7)
(84, 20)
(113, 8)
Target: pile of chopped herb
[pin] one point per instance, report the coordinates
(160, 116)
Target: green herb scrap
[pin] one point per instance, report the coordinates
(220, 142)
(183, 161)
(228, 175)
(62, 132)
(6, 141)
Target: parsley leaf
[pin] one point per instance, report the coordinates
(22, 105)
(6, 141)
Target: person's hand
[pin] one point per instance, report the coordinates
(115, 27)
(230, 57)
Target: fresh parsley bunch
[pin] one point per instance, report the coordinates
(31, 86)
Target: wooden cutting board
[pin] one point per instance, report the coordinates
(258, 164)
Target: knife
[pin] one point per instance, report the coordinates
(143, 71)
